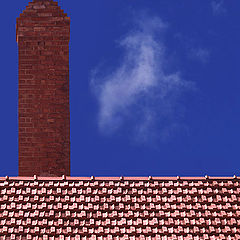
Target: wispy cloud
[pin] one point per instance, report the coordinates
(200, 54)
(138, 95)
(218, 7)
(192, 48)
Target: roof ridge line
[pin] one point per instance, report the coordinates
(120, 178)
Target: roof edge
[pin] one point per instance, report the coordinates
(150, 178)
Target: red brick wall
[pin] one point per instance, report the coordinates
(43, 34)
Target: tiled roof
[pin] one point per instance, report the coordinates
(120, 208)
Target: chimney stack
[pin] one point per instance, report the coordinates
(43, 34)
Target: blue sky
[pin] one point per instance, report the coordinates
(154, 87)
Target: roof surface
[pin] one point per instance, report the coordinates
(119, 208)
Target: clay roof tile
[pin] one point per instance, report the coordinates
(153, 207)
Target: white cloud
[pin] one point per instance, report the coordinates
(217, 7)
(138, 95)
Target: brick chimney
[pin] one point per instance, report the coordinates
(43, 34)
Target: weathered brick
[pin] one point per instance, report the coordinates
(43, 34)
(39, 6)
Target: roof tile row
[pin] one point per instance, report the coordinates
(119, 209)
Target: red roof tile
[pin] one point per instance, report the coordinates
(120, 208)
